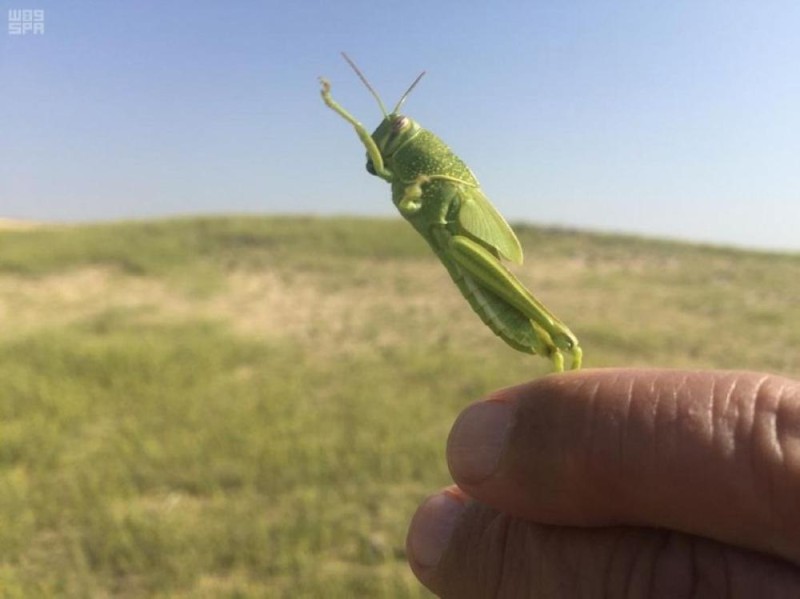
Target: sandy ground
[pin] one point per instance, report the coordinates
(10, 223)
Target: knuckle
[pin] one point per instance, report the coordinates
(759, 433)
(781, 452)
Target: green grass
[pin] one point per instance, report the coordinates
(249, 407)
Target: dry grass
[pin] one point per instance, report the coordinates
(319, 312)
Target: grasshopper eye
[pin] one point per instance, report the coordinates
(399, 124)
(370, 167)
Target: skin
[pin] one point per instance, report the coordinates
(620, 483)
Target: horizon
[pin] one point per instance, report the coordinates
(10, 224)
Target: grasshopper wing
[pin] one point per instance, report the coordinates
(483, 222)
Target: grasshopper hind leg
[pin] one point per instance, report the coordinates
(569, 346)
(577, 358)
(543, 345)
(515, 315)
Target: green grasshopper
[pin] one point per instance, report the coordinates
(439, 195)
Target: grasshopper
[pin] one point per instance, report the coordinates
(438, 194)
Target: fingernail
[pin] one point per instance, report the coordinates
(478, 439)
(433, 525)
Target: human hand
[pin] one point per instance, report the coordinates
(620, 483)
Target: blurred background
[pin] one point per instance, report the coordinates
(228, 368)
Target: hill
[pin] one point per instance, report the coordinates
(255, 406)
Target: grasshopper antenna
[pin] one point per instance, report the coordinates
(365, 82)
(408, 91)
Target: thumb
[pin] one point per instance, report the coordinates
(709, 453)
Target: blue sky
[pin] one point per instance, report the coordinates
(676, 119)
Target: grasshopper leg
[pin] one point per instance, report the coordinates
(410, 203)
(485, 268)
(366, 139)
(577, 357)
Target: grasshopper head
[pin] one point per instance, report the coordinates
(395, 129)
(392, 134)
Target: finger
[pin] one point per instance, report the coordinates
(715, 454)
(460, 548)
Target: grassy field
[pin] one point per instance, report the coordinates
(253, 407)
